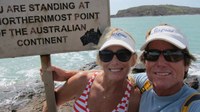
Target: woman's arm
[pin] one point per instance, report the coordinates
(134, 100)
(72, 89)
(60, 74)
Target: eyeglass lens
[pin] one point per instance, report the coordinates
(171, 55)
(122, 55)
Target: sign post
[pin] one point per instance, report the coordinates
(48, 83)
(44, 27)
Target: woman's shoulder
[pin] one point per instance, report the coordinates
(82, 78)
(135, 95)
(134, 100)
(86, 75)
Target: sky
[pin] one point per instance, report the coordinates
(116, 5)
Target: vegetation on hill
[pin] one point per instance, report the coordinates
(157, 10)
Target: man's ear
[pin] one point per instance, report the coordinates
(186, 71)
(186, 68)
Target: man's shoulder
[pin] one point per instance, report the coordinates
(192, 103)
(195, 106)
(139, 76)
(140, 79)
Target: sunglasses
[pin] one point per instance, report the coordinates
(171, 55)
(122, 55)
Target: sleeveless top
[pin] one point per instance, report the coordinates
(81, 104)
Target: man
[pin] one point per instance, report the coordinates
(167, 59)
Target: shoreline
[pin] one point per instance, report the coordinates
(32, 99)
(32, 102)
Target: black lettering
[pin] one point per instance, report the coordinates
(84, 16)
(20, 43)
(35, 19)
(4, 21)
(47, 40)
(44, 8)
(2, 32)
(33, 42)
(20, 31)
(42, 41)
(57, 29)
(26, 42)
(57, 17)
(39, 30)
(31, 7)
(53, 40)
(56, 6)
(16, 8)
(12, 21)
(9, 9)
(83, 5)
(71, 5)
(68, 16)
(32, 31)
(37, 7)
(1, 9)
(45, 30)
(51, 6)
(50, 17)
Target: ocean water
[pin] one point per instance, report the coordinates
(22, 73)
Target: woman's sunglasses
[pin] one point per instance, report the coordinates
(122, 55)
(171, 55)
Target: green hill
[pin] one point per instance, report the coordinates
(157, 10)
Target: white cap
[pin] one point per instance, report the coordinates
(121, 38)
(168, 34)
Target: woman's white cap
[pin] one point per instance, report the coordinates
(121, 38)
(168, 34)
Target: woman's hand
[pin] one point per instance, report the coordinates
(60, 74)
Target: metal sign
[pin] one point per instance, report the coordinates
(38, 27)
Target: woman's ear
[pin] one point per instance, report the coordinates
(133, 59)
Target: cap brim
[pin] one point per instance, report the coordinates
(166, 38)
(116, 42)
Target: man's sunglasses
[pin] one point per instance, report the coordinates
(122, 55)
(171, 55)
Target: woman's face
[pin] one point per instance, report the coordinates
(116, 69)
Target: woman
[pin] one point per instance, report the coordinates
(108, 89)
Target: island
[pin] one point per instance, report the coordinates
(157, 10)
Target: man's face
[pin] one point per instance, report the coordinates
(166, 77)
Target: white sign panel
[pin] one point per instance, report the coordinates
(38, 27)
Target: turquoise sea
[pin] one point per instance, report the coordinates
(22, 73)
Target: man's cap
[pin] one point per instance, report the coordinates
(168, 34)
